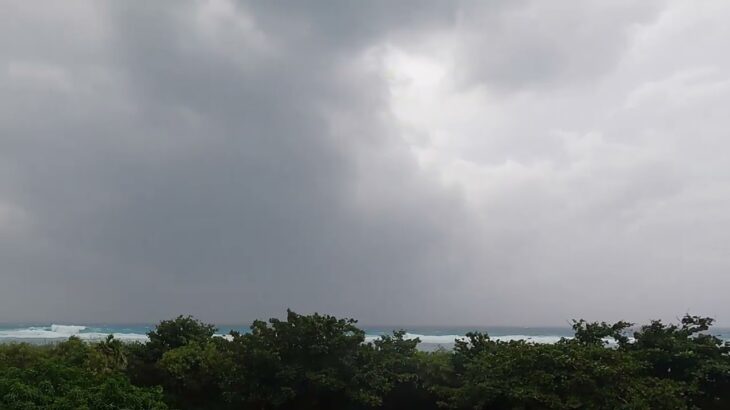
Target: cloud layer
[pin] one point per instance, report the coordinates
(509, 163)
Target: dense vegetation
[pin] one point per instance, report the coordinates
(321, 362)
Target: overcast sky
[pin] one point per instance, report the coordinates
(500, 162)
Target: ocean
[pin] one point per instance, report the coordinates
(432, 337)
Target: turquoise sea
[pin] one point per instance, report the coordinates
(432, 337)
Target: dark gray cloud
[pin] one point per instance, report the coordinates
(401, 163)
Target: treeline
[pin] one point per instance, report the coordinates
(321, 362)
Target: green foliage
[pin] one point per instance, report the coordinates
(108, 356)
(597, 333)
(685, 353)
(564, 375)
(70, 375)
(322, 362)
(194, 373)
(183, 357)
(170, 334)
(303, 362)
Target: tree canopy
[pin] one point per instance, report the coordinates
(323, 362)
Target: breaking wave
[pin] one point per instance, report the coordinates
(55, 331)
(58, 332)
(450, 339)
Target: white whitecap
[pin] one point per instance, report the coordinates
(67, 329)
(451, 339)
(59, 332)
(127, 337)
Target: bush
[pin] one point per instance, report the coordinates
(322, 362)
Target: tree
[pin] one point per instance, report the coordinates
(687, 354)
(170, 334)
(303, 362)
(182, 357)
(68, 376)
(597, 333)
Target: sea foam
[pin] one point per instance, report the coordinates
(67, 329)
(451, 339)
(58, 332)
(55, 331)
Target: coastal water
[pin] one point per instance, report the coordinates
(431, 337)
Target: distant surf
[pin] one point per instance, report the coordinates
(57, 332)
(428, 336)
(431, 337)
(451, 339)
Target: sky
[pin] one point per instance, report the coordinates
(496, 163)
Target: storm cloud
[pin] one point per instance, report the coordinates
(399, 162)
